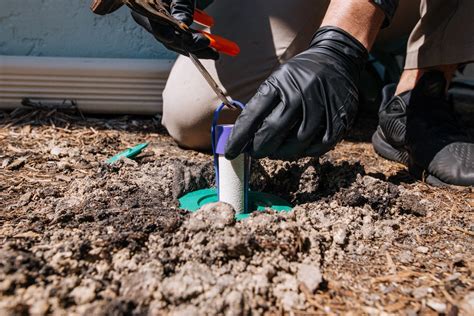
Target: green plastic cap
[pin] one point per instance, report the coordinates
(258, 201)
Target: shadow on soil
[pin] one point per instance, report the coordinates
(401, 177)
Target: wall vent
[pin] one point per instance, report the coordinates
(96, 85)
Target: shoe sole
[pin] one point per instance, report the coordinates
(426, 177)
(384, 149)
(387, 151)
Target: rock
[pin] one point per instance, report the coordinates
(459, 259)
(453, 277)
(196, 223)
(287, 291)
(214, 215)
(234, 301)
(107, 294)
(467, 304)
(421, 292)
(56, 151)
(219, 214)
(436, 305)
(122, 260)
(83, 294)
(291, 301)
(412, 204)
(405, 257)
(339, 235)
(423, 249)
(259, 283)
(191, 281)
(64, 165)
(310, 276)
(25, 199)
(39, 307)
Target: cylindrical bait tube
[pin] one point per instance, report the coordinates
(232, 175)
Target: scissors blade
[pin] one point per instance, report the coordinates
(211, 81)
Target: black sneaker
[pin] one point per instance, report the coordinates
(389, 138)
(103, 7)
(440, 150)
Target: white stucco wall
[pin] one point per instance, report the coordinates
(68, 28)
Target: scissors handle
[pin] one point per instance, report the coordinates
(222, 45)
(219, 43)
(203, 18)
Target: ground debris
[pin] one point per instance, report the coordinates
(83, 237)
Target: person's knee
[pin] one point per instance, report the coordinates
(192, 135)
(190, 124)
(187, 112)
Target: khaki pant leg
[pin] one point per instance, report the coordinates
(268, 32)
(443, 36)
(406, 17)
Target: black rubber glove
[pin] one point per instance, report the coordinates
(182, 43)
(305, 107)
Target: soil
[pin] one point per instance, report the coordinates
(79, 236)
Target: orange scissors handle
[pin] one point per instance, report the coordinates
(219, 43)
(222, 45)
(203, 18)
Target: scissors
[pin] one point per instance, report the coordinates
(219, 43)
(154, 9)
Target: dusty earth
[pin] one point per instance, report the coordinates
(78, 236)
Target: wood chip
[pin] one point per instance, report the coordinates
(28, 234)
(400, 276)
(17, 163)
(395, 307)
(463, 231)
(391, 266)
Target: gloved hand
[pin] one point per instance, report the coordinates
(305, 107)
(146, 13)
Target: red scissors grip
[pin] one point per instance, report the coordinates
(203, 18)
(222, 45)
(219, 43)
